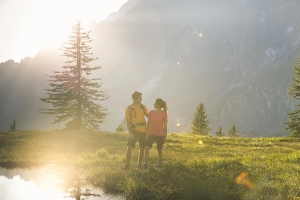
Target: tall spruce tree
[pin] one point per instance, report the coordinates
(294, 91)
(233, 132)
(200, 123)
(74, 95)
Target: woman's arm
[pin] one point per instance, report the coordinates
(165, 130)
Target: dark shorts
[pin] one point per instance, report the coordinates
(158, 139)
(137, 135)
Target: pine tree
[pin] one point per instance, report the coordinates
(294, 91)
(233, 132)
(74, 95)
(122, 127)
(219, 132)
(200, 122)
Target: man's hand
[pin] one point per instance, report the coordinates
(131, 136)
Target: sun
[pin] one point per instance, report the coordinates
(48, 23)
(43, 24)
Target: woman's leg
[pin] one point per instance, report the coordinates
(160, 157)
(159, 141)
(148, 146)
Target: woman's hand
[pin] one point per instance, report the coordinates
(147, 135)
(131, 136)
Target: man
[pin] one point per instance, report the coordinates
(136, 125)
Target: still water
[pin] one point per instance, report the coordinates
(45, 183)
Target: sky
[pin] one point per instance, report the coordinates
(28, 26)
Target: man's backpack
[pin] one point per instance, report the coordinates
(132, 110)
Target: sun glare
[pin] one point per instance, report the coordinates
(47, 24)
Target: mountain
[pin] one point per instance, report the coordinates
(21, 86)
(122, 11)
(234, 56)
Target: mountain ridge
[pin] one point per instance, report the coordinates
(234, 56)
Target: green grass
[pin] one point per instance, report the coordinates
(195, 167)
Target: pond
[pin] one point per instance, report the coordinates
(45, 183)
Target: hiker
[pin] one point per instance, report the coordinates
(156, 130)
(136, 125)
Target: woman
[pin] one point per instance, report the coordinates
(156, 129)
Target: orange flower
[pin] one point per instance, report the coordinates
(243, 179)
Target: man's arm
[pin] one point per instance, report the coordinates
(128, 123)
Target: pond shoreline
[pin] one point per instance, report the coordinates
(45, 179)
(193, 165)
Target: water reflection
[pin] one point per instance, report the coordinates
(46, 183)
(18, 189)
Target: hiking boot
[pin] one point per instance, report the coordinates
(144, 166)
(126, 166)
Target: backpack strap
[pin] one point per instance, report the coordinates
(132, 109)
(142, 105)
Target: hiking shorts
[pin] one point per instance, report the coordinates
(159, 141)
(137, 135)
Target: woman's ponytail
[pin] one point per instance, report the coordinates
(162, 104)
(164, 107)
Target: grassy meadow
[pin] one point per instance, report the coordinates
(194, 167)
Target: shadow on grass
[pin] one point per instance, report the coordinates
(178, 180)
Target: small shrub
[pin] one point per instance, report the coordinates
(122, 127)
(13, 127)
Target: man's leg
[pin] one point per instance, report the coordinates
(128, 155)
(130, 145)
(141, 156)
(147, 149)
(142, 138)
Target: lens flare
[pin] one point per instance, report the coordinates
(178, 124)
(178, 63)
(200, 142)
(243, 180)
(200, 35)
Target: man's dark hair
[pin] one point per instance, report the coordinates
(135, 95)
